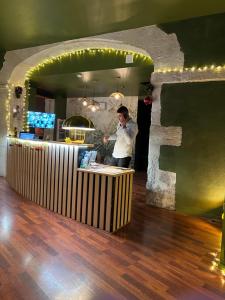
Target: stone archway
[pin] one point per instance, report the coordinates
(165, 51)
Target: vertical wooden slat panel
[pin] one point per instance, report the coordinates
(74, 183)
(24, 169)
(102, 202)
(115, 208)
(49, 175)
(45, 182)
(56, 178)
(127, 199)
(109, 204)
(14, 164)
(38, 175)
(52, 187)
(65, 177)
(96, 201)
(79, 196)
(42, 176)
(21, 169)
(10, 162)
(70, 181)
(61, 158)
(90, 199)
(84, 198)
(17, 167)
(123, 199)
(130, 198)
(119, 201)
(50, 178)
(29, 174)
(7, 162)
(33, 174)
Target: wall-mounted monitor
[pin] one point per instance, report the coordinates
(40, 119)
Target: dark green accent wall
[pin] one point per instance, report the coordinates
(201, 39)
(60, 106)
(199, 108)
(32, 105)
(2, 54)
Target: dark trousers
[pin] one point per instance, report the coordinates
(121, 162)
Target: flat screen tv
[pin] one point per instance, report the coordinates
(40, 119)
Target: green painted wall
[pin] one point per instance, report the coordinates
(201, 39)
(2, 54)
(199, 108)
(60, 106)
(32, 99)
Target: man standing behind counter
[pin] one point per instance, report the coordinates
(125, 137)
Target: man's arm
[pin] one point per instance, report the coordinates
(129, 132)
(112, 137)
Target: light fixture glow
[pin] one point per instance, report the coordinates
(79, 123)
(85, 103)
(117, 95)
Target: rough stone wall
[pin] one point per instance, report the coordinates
(160, 184)
(105, 119)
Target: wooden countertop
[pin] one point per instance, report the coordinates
(106, 170)
(42, 142)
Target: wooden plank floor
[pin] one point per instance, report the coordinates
(160, 255)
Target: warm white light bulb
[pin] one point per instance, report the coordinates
(117, 96)
(93, 108)
(85, 103)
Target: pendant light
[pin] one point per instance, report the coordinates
(118, 95)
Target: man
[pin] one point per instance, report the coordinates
(124, 137)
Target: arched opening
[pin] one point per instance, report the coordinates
(91, 72)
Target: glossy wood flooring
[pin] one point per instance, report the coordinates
(161, 255)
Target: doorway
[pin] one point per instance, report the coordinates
(142, 139)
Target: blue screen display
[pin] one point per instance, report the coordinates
(40, 119)
(27, 136)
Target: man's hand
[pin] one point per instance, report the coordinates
(105, 139)
(123, 124)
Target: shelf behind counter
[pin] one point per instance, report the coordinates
(47, 173)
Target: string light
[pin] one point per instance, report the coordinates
(91, 51)
(191, 69)
(7, 105)
(56, 59)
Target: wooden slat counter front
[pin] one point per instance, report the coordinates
(106, 197)
(47, 174)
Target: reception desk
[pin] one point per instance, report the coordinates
(47, 173)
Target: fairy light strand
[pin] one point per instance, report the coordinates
(206, 68)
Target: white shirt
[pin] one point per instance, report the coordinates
(125, 138)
